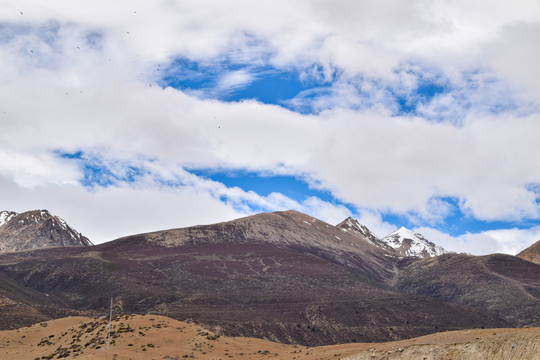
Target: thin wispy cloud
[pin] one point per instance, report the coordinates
(234, 80)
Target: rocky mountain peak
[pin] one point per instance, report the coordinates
(36, 229)
(352, 226)
(409, 243)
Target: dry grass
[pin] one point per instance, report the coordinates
(140, 337)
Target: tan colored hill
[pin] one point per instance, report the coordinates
(532, 253)
(139, 337)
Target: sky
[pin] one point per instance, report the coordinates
(132, 116)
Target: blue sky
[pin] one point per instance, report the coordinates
(264, 83)
(270, 85)
(137, 116)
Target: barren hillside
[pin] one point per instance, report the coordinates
(142, 337)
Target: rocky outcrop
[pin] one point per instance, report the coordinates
(354, 227)
(519, 344)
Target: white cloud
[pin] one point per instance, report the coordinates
(332, 214)
(360, 37)
(32, 170)
(108, 213)
(506, 241)
(513, 56)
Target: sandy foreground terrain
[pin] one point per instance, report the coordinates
(157, 337)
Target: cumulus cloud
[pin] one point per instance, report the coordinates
(517, 65)
(29, 170)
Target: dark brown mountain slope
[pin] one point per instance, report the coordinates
(532, 253)
(20, 306)
(36, 229)
(291, 230)
(501, 284)
(283, 276)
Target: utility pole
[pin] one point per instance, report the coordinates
(110, 320)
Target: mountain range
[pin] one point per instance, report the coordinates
(40, 229)
(284, 276)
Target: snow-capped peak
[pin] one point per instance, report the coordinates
(409, 243)
(406, 233)
(35, 229)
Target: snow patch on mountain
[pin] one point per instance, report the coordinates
(5, 216)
